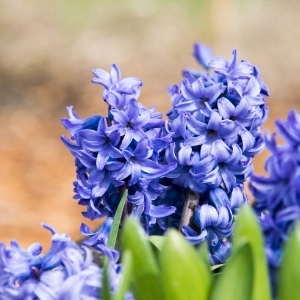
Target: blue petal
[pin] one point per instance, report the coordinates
(128, 83)
(120, 117)
(247, 139)
(86, 159)
(115, 75)
(132, 109)
(161, 211)
(184, 156)
(103, 77)
(85, 230)
(214, 121)
(205, 216)
(192, 235)
(135, 173)
(226, 108)
(220, 151)
(203, 54)
(101, 187)
(219, 198)
(71, 146)
(237, 198)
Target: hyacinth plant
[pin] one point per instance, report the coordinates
(141, 173)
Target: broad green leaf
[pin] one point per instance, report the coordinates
(204, 255)
(185, 274)
(146, 281)
(116, 222)
(289, 272)
(247, 228)
(157, 241)
(236, 279)
(126, 275)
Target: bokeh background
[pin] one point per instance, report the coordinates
(48, 49)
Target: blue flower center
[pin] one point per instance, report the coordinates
(129, 125)
(203, 100)
(212, 133)
(107, 141)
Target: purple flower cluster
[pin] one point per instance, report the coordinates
(66, 271)
(277, 196)
(215, 125)
(206, 147)
(118, 152)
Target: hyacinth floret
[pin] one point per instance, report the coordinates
(113, 82)
(99, 240)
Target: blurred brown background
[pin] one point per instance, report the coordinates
(47, 52)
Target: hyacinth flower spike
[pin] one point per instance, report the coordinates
(123, 152)
(215, 121)
(277, 195)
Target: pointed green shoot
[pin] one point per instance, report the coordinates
(236, 279)
(126, 276)
(146, 282)
(247, 228)
(185, 274)
(105, 282)
(204, 255)
(116, 222)
(289, 272)
(157, 241)
(111, 243)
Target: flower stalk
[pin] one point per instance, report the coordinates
(191, 201)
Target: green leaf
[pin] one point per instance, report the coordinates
(247, 228)
(111, 243)
(236, 279)
(157, 241)
(204, 255)
(105, 293)
(185, 274)
(126, 275)
(289, 272)
(116, 222)
(146, 281)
